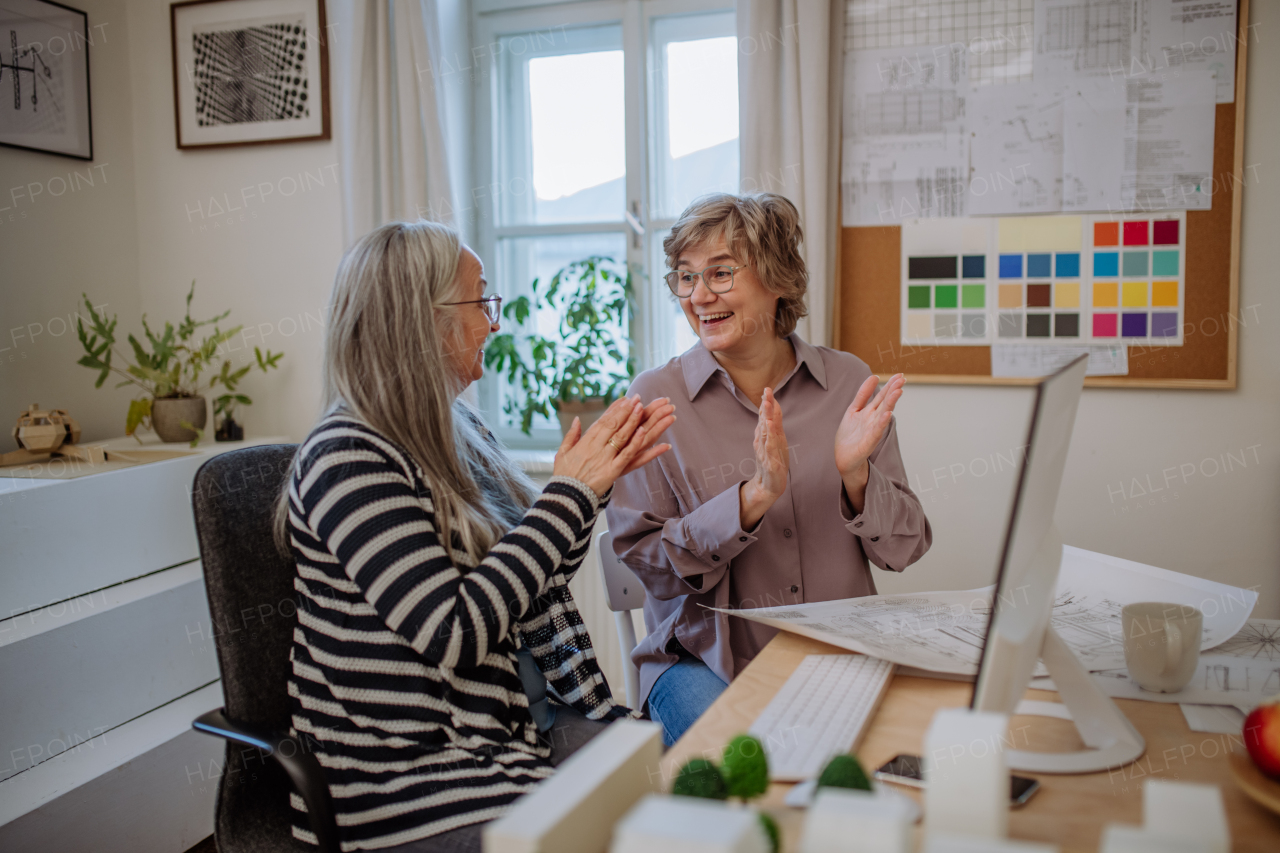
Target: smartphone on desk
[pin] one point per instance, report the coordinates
(906, 770)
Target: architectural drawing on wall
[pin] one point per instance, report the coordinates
(1018, 166)
(44, 64)
(996, 34)
(905, 151)
(1085, 36)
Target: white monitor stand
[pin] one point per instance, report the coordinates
(1020, 632)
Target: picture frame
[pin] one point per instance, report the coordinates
(44, 62)
(249, 72)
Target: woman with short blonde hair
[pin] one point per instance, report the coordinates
(784, 478)
(435, 614)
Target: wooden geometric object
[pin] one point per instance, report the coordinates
(45, 431)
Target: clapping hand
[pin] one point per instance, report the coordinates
(860, 431)
(770, 480)
(621, 441)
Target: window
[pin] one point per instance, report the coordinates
(597, 124)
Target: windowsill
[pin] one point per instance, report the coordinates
(534, 461)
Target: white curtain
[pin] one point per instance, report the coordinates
(790, 59)
(389, 113)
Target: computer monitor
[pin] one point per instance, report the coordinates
(1020, 632)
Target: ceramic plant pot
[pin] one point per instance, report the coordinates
(168, 413)
(588, 410)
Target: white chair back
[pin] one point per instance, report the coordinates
(622, 589)
(623, 593)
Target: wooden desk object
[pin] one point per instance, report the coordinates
(1069, 811)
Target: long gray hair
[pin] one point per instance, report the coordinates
(386, 361)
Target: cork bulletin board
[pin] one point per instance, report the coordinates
(869, 313)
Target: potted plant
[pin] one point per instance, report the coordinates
(169, 370)
(588, 364)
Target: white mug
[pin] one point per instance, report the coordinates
(1161, 644)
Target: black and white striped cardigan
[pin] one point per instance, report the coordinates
(404, 668)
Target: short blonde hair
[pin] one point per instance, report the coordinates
(762, 229)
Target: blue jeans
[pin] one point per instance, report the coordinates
(681, 695)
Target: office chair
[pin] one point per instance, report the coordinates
(253, 606)
(623, 593)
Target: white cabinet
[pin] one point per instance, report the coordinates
(106, 655)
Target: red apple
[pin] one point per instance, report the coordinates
(1262, 736)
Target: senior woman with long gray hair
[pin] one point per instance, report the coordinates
(432, 575)
(785, 476)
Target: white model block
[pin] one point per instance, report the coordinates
(689, 825)
(1186, 811)
(880, 824)
(1120, 838)
(966, 778)
(574, 811)
(943, 842)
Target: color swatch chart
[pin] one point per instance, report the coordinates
(1044, 279)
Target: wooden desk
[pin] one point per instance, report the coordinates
(1069, 811)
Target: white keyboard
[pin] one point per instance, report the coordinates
(820, 712)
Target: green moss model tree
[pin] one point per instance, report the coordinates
(844, 771)
(743, 773)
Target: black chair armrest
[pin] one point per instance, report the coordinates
(303, 768)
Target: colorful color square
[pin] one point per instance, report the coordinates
(1066, 325)
(919, 326)
(1135, 233)
(946, 325)
(974, 266)
(1135, 264)
(1066, 294)
(1067, 265)
(1135, 294)
(1038, 266)
(1104, 325)
(1164, 325)
(1106, 294)
(1164, 263)
(945, 296)
(1164, 293)
(1010, 296)
(918, 296)
(1165, 232)
(1038, 296)
(1010, 325)
(1011, 266)
(973, 296)
(1106, 233)
(1133, 325)
(1106, 263)
(1037, 325)
(975, 326)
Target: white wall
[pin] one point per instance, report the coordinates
(1216, 524)
(271, 259)
(57, 242)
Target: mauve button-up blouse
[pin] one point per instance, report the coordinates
(675, 521)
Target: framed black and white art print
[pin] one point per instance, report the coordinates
(44, 78)
(248, 72)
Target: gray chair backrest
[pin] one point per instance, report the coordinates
(622, 589)
(249, 582)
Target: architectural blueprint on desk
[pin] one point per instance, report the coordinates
(943, 631)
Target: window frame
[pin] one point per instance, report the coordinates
(643, 77)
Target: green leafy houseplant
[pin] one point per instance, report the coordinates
(171, 363)
(595, 303)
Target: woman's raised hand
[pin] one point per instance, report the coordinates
(864, 423)
(621, 441)
(770, 480)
